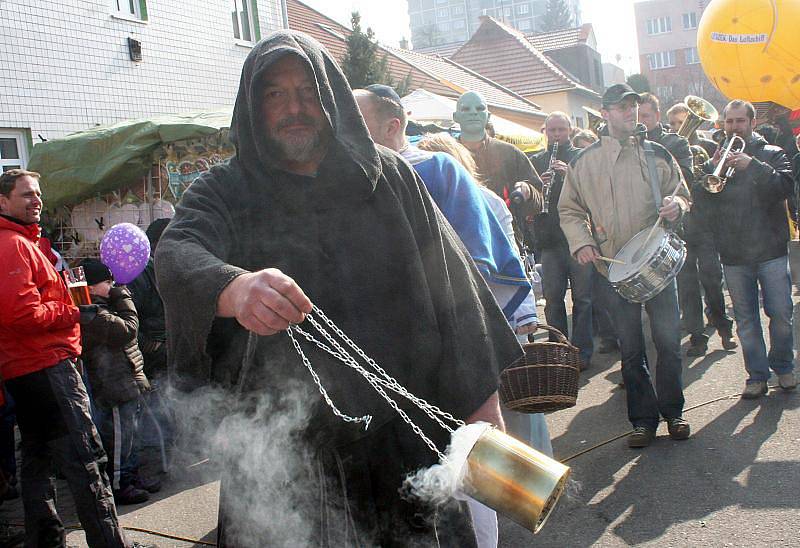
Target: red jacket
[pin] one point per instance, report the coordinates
(38, 322)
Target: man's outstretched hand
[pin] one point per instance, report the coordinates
(264, 302)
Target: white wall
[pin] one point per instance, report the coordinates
(65, 67)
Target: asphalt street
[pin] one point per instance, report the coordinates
(735, 482)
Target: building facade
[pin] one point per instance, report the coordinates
(436, 22)
(667, 36)
(71, 65)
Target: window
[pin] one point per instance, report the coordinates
(459, 24)
(696, 88)
(442, 13)
(661, 59)
(524, 24)
(12, 150)
(442, 27)
(457, 10)
(659, 25)
(129, 9)
(244, 16)
(664, 92)
(507, 12)
(690, 20)
(523, 9)
(692, 58)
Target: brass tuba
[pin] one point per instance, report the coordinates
(700, 111)
(596, 120)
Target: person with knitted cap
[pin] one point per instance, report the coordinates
(115, 369)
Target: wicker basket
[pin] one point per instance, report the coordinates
(544, 379)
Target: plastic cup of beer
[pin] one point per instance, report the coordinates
(78, 289)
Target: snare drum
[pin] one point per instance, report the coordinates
(654, 268)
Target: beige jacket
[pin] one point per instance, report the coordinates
(607, 198)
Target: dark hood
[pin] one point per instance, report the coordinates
(349, 131)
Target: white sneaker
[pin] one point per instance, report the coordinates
(787, 381)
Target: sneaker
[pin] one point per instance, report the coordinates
(678, 428)
(787, 381)
(130, 495)
(641, 437)
(136, 544)
(607, 346)
(697, 349)
(754, 390)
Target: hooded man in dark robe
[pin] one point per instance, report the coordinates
(311, 210)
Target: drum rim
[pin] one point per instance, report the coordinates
(613, 267)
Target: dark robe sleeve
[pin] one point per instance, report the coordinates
(477, 341)
(191, 268)
(526, 172)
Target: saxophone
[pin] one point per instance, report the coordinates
(548, 185)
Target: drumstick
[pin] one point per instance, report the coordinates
(610, 260)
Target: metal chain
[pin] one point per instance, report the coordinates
(422, 404)
(373, 383)
(348, 360)
(378, 381)
(366, 419)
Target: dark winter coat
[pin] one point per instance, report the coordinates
(748, 218)
(110, 350)
(546, 226)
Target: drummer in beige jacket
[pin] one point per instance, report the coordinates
(606, 200)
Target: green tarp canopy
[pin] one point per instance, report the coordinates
(107, 158)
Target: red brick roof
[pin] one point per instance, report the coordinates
(559, 39)
(433, 73)
(505, 55)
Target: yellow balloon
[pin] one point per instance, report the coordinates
(750, 49)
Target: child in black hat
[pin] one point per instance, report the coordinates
(114, 366)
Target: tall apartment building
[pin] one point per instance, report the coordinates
(436, 22)
(71, 65)
(667, 36)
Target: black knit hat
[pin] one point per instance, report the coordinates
(95, 271)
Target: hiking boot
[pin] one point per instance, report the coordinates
(787, 381)
(678, 428)
(607, 346)
(698, 348)
(641, 437)
(754, 390)
(130, 495)
(727, 339)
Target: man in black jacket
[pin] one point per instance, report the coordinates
(558, 265)
(748, 218)
(702, 266)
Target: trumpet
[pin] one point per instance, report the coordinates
(547, 186)
(716, 182)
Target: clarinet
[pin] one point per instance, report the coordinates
(548, 185)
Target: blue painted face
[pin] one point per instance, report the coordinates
(472, 114)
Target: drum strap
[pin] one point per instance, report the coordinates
(650, 156)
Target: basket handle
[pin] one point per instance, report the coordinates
(560, 337)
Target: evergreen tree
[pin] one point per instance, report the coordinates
(557, 16)
(638, 82)
(363, 65)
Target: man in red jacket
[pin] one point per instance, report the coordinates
(40, 341)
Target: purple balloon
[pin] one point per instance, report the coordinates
(125, 249)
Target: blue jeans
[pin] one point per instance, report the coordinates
(558, 267)
(776, 289)
(646, 402)
(117, 426)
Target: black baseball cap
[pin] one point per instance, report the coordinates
(618, 93)
(387, 92)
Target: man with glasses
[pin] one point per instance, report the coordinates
(606, 200)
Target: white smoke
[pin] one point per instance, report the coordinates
(441, 482)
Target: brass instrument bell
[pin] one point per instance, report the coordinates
(596, 120)
(514, 479)
(700, 111)
(715, 182)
